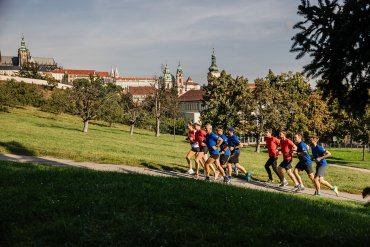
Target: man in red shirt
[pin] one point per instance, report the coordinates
(201, 156)
(287, 148)
(272, 143)
(194, 147)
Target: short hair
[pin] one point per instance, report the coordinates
(269, 130)
(283, 132)
(220, 128)
(298, 134)
(209, 125)
(315, 137)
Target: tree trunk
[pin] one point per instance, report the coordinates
(258, 144)
(363, 152)
(157, 131)
(132, 129)
(110, 124)
(86, 126)
(174, 128)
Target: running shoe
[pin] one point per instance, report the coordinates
(190, 172)
(248, 176)
(226, 180)
(335, 189)
(296, 187)
(270, 181)
(207, 179)
(236, 170)
(284, 183)
(316, 194)
(301, 187)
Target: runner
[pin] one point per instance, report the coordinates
(201, 156)
(224, 154)
(213, 143)
(234, 146)
(272, 143)
(287, 149)
(194, 147)
(305, 162)
(320, 154)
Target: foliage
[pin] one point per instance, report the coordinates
(133, 112)
(336, 35)
(59, 102)
(30, 70)
(110, 109)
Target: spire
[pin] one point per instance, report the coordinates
(213, 67)
(116, 74)
(179, 68)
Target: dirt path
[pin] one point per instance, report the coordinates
(131, 169)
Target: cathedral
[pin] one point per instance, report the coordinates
(9, 64)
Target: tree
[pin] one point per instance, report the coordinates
(59, 102)
(337, 37)
(172, 107)
(223, 100)
(110, 110)
(133, 111)
(88, 96)
(30, 70)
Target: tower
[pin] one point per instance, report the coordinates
(168, 79)
(24, 55)
(180, 80)
(213, 69)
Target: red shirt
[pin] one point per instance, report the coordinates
(191, 136)
(272, 143)
(200, 137)
(286, 147)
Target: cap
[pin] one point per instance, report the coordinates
(232, 129)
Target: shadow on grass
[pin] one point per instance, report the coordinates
(161, 167)
(17, 148)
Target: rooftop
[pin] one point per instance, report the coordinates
(192, 95)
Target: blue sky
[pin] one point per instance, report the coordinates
(137, 36)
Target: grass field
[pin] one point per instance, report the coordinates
(48, 206)
(350, 157)
(32, 132)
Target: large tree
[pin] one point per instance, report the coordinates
(336, 34)
(88, 96)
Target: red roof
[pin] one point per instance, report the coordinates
(102, 73)
(134, 79)
(147, 90)
(252, 85)
(192, 95)
(190, 81)
(80, 72)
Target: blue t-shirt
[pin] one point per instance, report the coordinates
(211, 140)
(224, 145)
(233, 141)
(318, 152)
(306, 159)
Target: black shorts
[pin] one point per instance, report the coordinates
(320, 170)
(203, 149)
(224, 159)
(302, 167)
(214, 156)
(234, 158)
(272, 161)
(286, 164)
(195, 149)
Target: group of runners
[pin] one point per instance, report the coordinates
(224, 151)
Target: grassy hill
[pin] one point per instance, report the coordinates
(32, 132)
(48, 206)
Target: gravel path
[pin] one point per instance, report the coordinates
(131, 169)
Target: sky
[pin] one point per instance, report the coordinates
(138, 36)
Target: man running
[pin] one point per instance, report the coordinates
(320, 154)
(224, 154)
(201, 156)
(305, 162)
(234, 146)
(287, 149)
(213, 143)
(194, 147)
(272, 143)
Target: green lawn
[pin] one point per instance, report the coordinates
(48, 206)
(350, 157)
(32, 132)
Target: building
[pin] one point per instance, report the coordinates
(67, 76)
(184, 86)
(191, 105)
(140, 93)
(213, 69)
(126, 82)
(10, 65)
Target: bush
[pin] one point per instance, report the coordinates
(59, 102)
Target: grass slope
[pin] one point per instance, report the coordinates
(45, 206)
(32, 132)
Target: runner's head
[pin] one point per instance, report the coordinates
(208, 128)
(190, 126)
(314, 140)
(197, 125)
(282, 134)
(231, 131)
(269, 133)
(297, 138)
(220, 131)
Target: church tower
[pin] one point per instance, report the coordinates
(213, 69)
(180, 80)
(24, 55)
(168, 79)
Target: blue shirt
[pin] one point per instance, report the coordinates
(318, 152)
(233, 141)
(224, 145)
(211, 140)
(306, 159)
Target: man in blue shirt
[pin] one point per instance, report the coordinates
(320, 154)
(305, 162)
(224, 154)
(213, 143)
(234, 146)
